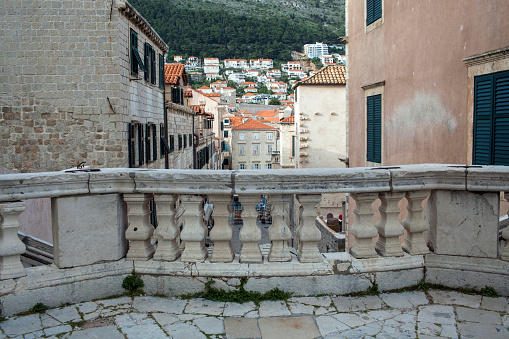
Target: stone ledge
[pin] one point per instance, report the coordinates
(344, 262)
(473, 264)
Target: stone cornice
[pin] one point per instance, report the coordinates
(487, 57)
(135, 17)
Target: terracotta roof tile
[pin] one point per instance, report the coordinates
(212, 95)
(252, 124)
(289, 119)
(173, 72)
(267, 114)
(328, 75)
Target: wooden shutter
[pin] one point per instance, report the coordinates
(374, 128)
(147, 60)
(153, 66)
(147, 143)
(154, 142)
(130, 144)
(373, 11)
(483, 107)
(369, 11)
(141, 153)
(161, 71)
(501, 119)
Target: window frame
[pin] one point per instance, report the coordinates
(242, 149)
(135, 59)
(373, 14)
(374, 128)
(241, 136)
(256, 149)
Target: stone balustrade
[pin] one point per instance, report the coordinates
(102, 228)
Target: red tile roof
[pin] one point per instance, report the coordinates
(328, 75)
(173, 72)
(212, 95)
(289, 119)
(267, 114)
(235, 121)
(252, 124)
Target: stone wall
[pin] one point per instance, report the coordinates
(330, 241)
(180, 122)
(66, 89)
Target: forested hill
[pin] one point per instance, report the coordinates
(247, 29)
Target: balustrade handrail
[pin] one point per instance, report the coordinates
(14, 187)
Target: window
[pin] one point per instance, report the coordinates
(241, 136)
(225, 134)
(131, 143)
(242, 150)
(150, 142)
(226, 121)
(256, 149)
(190, 140)
(185, 141)
(269, 136)
(256, 136)
(374, 128)
(491, 119)
(268, 166)
(269, 149)
(150, 64)
(161, 71)
(172, 143)
(180, 141)
(256, 166)
(373, 11)
(293, 145)
(136, 62)
(242, 166)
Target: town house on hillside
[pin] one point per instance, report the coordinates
(252, 145)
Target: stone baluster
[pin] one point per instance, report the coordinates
(139, 230)
(250, 234)
(10, 246)
(222, 232)
(363, 229)
(167, 231)
(389, 228)
(307, 232)
(279, 232)
(194, 231)
(415, 224)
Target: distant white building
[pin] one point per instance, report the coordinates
(261, 63)
(316, 50)
(237, 77)
(235, 63)
(211, 65)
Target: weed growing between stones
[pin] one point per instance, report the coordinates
(38, 308)
(133, 284)
(489, 291)
(240, 295)
(77, 323)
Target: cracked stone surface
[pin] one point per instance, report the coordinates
(434, 314)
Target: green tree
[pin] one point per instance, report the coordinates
(274, 101)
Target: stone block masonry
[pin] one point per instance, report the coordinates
(66, 90)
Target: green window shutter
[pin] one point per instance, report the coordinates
(374, 128)
(483, 107)
(146, 58)
(373, 11)
(153, 66)
(136, 61)
(293, 145)
(161, 71)
(501, 119)
(369, 11)
(130, 144)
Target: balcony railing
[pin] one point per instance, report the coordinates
(102, 230)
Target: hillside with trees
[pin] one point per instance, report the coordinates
(247, 29)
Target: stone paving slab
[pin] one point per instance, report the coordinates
(389, 315)
(293, 327)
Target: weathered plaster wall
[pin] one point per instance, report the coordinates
(418, 52)
(321, 110)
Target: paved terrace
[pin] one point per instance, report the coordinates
(431, 314)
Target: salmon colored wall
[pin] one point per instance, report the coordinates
(418, 52)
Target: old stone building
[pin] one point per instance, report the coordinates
(252, 145)
(81, 80)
